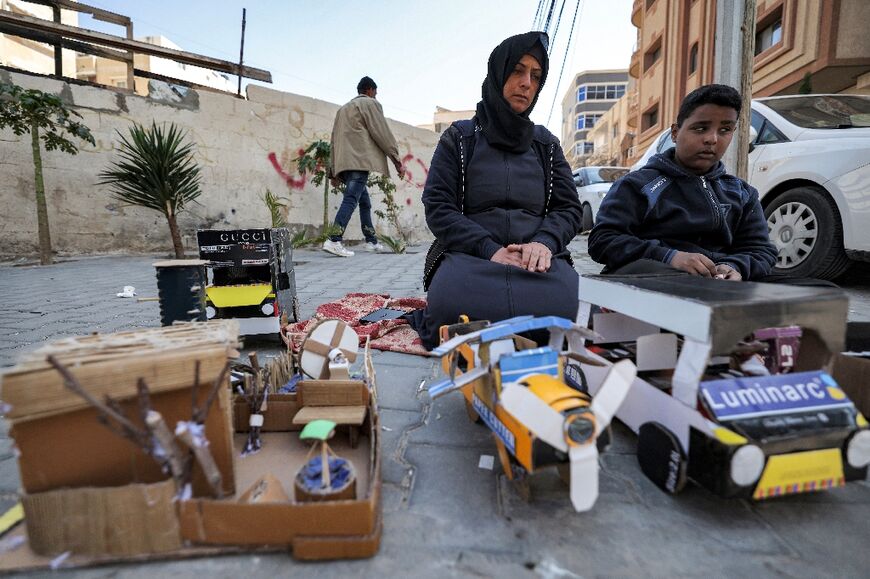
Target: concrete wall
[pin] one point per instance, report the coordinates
(243, 147)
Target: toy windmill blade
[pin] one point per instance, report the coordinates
(609, 397)
(584, 476)
(532, 412)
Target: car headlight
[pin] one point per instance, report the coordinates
(209, 312)
(747, 464)
(858, 449)
(579, 428)
(268, 309)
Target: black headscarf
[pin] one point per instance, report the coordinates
(505, 129)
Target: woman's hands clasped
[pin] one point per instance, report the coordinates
(532, 256)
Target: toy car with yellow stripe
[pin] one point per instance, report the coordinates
(530, 397)
(251, 278)
(745, 429)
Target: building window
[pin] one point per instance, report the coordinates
(653, 55)
(769, 32)
(693, 59)
(650, 118)
(600, 92)
(587, 121)
(583, 148)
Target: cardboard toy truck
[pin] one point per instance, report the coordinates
(735, 433)
(251, 278)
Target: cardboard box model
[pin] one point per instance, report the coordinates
(739, 435)
(252, 277)
(96, 495)
(525, 395)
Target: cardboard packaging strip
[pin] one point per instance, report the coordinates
(122, 521)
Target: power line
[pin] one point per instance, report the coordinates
(556, 31)
(564, 60)
(535, 23)
(549, 16)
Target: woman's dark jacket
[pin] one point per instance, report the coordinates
(504, 198)
(660, 209)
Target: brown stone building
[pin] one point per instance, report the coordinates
(820, 45)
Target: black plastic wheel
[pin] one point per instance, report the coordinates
(587, 220)
(661, 457)
(805, 225)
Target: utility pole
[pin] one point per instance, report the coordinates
(242, 52)
(733, 58)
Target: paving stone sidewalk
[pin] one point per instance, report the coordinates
(444, 516)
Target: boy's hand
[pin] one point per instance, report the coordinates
(725, 271)
(694, 263)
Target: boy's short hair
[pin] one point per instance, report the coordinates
(709, 94)
(365, 84)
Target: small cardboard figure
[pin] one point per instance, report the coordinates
(325, 477)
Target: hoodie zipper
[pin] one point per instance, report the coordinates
(714, 206)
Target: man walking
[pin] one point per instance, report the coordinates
(361, 142)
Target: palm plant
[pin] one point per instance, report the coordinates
(275, 205)
(157, 170)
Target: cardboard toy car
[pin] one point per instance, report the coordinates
(252, 278)
(700, 419)
(531, 398)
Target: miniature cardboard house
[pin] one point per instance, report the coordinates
(94, 494)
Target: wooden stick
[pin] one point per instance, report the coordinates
(202, 413)
(324, 465)
(74, 385)
(203, 457)
(173, 454)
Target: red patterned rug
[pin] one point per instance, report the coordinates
(389, 335)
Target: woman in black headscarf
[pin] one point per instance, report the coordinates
(501, 202)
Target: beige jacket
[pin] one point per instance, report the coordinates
(361, 139)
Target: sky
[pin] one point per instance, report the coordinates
(421, 54)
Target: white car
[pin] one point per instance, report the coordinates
(810, 161)
(593, 183)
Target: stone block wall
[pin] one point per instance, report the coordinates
(243, 146)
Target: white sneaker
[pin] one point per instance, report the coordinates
(376, 247)
(336, 248)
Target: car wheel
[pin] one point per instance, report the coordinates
(805, 226)
(587, 221)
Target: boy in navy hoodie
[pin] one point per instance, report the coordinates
(682, 210)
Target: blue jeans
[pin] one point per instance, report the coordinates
(355, 193)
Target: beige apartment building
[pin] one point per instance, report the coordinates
(444, 117)
(822, 45)
(589, 97)
(24, 54)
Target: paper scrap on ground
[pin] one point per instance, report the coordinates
(128, 292)
(487, 461)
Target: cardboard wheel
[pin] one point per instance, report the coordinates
(661, 457)
(320, 341)
(472, 413)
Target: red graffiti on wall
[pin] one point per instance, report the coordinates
(409, 175)
(292, 182)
